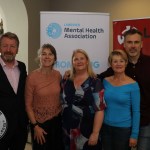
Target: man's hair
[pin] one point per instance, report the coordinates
(132, 31)
(10, 35)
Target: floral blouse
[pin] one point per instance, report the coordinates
(79, 107)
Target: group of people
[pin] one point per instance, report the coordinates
(83, 110)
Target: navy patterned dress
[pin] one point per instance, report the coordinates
(79, 107)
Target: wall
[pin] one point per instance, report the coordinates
(118, 9)
(33, 9)
(15, 20)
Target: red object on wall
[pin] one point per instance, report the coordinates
(143, 25)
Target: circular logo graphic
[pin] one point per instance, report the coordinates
(54, 30)
(3, 124)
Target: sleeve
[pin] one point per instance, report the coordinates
(63, 95)
(106, 73)
(29, 92)
(135, 102)
(62, 91)
(98, 96)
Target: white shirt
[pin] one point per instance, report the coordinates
(12, 74)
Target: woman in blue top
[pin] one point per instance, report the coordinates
(122, 113)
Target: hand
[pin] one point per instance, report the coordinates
(67, 74)
(132, 142)
(93, 139)
(39, 135)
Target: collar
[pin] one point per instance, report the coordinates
(3, 64)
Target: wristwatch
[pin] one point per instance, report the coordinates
(35, 124)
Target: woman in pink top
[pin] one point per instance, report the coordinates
(43, 102)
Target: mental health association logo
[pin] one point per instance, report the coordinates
(3, 124)
(54, 30)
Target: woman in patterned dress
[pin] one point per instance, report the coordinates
(83, 105)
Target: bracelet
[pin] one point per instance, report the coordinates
(35, 124)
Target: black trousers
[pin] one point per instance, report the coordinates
(53, 138)
(115, 138)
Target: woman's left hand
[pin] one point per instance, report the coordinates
(93, 139)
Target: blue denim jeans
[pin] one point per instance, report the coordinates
(144, 138)
(115, 138)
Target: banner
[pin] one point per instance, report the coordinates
(68, 31)
(143, 25)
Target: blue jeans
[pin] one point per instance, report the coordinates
(144, 138)
(115, 138)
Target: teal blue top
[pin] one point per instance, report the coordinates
(122, 106)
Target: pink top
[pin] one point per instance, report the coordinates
(43, 92)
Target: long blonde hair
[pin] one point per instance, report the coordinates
(89, 67)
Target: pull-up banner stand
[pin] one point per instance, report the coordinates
(68, 31)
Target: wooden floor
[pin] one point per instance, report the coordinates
(28, 147)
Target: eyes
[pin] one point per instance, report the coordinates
(116, 61)
(133, 42)
(9, 46)
(78, 59)
(47, 54)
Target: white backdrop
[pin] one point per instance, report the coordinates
(68, 31)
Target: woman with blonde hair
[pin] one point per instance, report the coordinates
(83, 105)
(122, 114)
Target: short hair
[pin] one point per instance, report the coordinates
(131, 32)
(118, 52)
(50, 47)
(47, 46)
(10, 35)
(89, 68)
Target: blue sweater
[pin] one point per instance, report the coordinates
(123, 106)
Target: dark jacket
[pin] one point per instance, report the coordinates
(12, 105)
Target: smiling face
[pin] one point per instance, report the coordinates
(79, 62)
(47, 58)
(118, 64)
(8, 49)
(118, 60)
(133, 44)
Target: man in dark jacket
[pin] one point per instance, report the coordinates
(13, 117)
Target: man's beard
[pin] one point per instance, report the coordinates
(8, 57)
